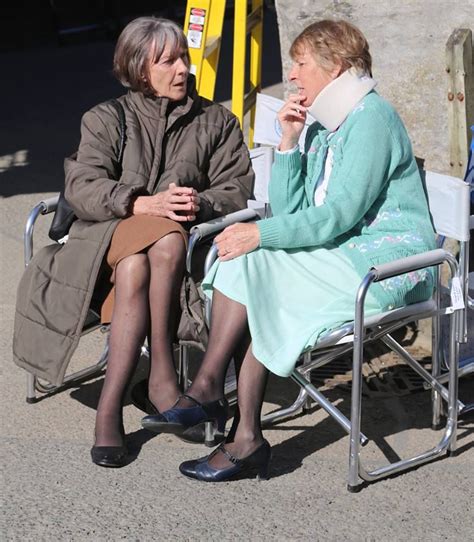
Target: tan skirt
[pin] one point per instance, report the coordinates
(133, 235)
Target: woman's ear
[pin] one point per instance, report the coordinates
(337, 70)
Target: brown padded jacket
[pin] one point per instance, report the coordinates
(194, 143)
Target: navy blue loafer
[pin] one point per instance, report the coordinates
(255, 464)
(178, 420)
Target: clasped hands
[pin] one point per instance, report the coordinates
(179, 203)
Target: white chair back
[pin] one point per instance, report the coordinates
(449, 205)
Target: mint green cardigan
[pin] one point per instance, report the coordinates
(375, 208)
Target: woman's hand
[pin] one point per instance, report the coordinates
(292, 117)
(236, 240)
(180, 203)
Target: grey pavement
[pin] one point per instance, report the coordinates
(51, 490)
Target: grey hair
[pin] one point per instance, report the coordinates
(143, 39)
(335, 41)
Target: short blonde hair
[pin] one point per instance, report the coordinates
(334, 41)
(140, 39)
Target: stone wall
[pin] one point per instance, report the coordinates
(407, 40)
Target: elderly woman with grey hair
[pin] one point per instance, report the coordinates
(184, 161)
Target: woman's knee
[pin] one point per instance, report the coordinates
(169, 251)
(133, 272)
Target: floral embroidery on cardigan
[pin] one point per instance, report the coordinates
(406, 239)
(389, 214)
(408, 280)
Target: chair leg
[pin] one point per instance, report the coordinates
(452, 419)
(299, 402)
(353, 484)
(436, 346)
(325, 404)
(30, 388)
(307, 404)
(209, 434)
(183, 370)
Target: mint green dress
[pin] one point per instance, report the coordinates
(292, 298)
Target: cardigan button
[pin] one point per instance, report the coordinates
(391, 307)
(351, 245)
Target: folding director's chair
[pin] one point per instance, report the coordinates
(261, 162)
(38, 388)
(449, 205)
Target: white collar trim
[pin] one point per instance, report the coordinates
(334, 103)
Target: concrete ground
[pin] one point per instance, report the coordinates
(51, 490)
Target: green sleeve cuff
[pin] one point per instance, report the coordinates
(289, 161)
(269, 233)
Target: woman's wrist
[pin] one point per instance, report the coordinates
(287, 143)
(138, 205)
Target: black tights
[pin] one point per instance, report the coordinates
(146, 300)
(229, 337)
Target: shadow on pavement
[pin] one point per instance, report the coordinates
(384, 418)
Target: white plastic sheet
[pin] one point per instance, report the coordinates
(449, 205)
(262, 160)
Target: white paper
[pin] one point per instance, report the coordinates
(194, 39)
(267, 126)
(457, 299)
(196, 19)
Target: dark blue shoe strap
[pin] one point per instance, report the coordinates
(229, 456)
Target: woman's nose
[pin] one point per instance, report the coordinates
(292, 73)
(182, 66)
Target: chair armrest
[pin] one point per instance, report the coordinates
(413, 263)
(398, 267)
(49, 205)
(206, 229)
(43, 207)
(215, 226)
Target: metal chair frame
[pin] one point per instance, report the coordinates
(354, 335)
(35, 386)
(351, 336)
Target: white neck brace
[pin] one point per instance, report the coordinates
(339, 98)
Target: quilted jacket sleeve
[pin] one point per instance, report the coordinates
(230, 175)
(92, 188)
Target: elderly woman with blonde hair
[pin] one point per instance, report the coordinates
(353, 199)
(184, 161)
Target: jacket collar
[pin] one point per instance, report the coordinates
(157, 108)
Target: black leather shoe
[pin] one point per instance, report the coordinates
(257, 463)
(177, 420)
(109, 456)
